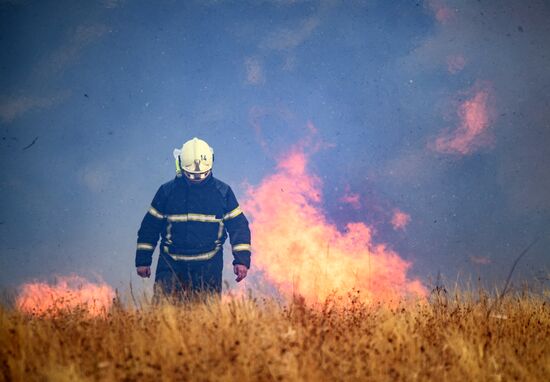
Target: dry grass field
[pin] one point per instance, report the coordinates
(447, 339)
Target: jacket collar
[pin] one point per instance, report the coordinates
(187, 183)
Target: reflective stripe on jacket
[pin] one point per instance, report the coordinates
(193, 221)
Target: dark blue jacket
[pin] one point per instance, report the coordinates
(193, 221)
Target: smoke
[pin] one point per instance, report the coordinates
(443, 13)
(254, 71)
(456, 63)
(481, 260)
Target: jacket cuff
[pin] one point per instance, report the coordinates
(242, 257)
(143, 259)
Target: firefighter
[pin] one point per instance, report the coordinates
(193, 214)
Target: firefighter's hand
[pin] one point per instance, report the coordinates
(144, 271)
(241, 271)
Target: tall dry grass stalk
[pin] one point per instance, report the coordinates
(447, 338)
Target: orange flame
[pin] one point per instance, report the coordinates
(400, 220)
(472, 132)
(68, 293)
(303, 254)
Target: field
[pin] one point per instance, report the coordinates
(451, 338)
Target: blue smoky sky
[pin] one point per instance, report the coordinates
(107, 89)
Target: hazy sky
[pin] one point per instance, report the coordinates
(437, 109)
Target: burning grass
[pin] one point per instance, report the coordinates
(466, 338)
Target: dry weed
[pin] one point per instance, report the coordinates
(448, 338)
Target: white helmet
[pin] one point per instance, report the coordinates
(195, 159)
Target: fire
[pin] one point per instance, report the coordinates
(472, 132)
(302, 253)
(400, 220)
(66, 294)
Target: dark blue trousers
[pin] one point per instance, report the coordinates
(184, 280)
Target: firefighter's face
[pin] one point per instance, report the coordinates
(196, 178)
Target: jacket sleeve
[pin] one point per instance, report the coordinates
(239, 233)
(151, 226)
